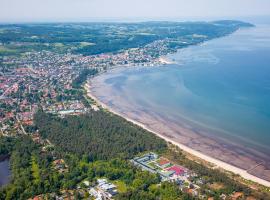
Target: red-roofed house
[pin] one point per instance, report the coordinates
(163, 163)
(177, 169)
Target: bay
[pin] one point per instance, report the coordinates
(219, 90)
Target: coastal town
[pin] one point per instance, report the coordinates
(32, 81)
(39, 75)
(54, 83)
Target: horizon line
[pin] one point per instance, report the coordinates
(128, 19)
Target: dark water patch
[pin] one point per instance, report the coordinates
(4, 172)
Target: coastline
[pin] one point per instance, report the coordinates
(165, 60)
(218, 163)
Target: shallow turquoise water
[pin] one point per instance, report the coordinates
(222, 85)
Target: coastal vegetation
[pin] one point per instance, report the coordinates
(100, 144)
(82, 77)
(99, 135)
(25, 184)
(32, 168)
(219, 182)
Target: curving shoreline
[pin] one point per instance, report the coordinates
(218, 163)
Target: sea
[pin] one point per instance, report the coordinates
(221, 86)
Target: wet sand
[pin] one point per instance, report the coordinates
(235, 158)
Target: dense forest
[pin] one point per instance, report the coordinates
(94, 145)
(100, 144)
(6, 145)
(33, 174)
(99, 135)
(25, 182)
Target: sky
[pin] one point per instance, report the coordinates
(102, 10)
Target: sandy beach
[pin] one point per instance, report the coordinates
(182, 137)
(165, 60)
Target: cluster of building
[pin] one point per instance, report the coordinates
(71, 107)
(162, 166)
(36, 80)
(103, 190)
(60, 166)
(63, 195)
(43, 80)
(187, 181)
(168, 171)
(28, 82)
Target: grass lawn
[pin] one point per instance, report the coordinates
(121, 186)
(35, 170)
(152, 164)
(153, 187)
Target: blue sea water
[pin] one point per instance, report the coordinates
(222, 86)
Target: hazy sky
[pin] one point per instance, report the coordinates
(83, 10)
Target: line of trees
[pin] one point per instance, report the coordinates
(77, 82)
